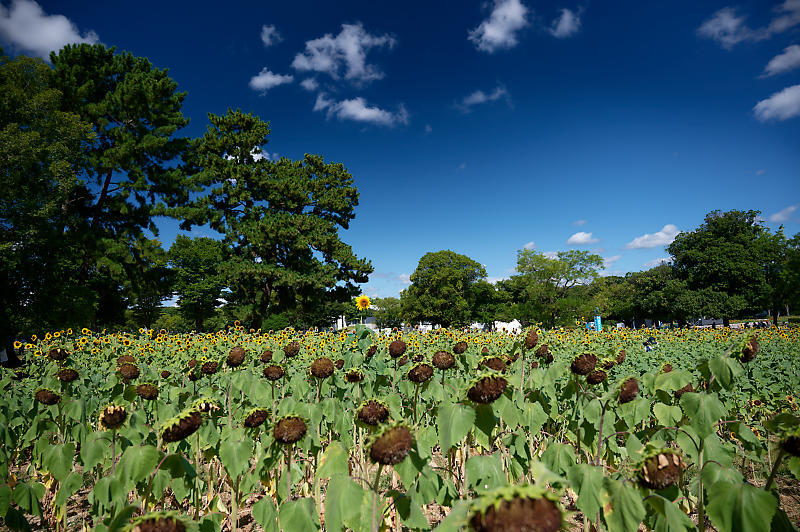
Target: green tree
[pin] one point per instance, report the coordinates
(40, 149)
(130, 169)
(729, 259)
(442, 289)
(553, 289)
(388, 312)
(198, 282)
(280, 221)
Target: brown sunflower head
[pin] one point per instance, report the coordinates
(255, 418)
(517, 508)
(666, 368)
(125, 359)
(659, 469)
(290, 429)
(373, 412)
(531, 339)
(596, 377)
(372, 350)
(158, 522)
(192, 363)
(47, 397)
(492, 363)
(354, 375)
(628, 390)
(339, 363)
(583, 364)
(608, 363)
(750, 349)
(165, 374)
(209, 368)
(147, 391)
(391, 445)
(791, 442)
(621, 356)
(113, 416)
(402, 361)
(420, 372)
(129, 372)
(542, 350)
(58, 354)
(321, 368)
(235, 357)
(292, 349)
(460, 347)
(487, 387)
(274, 372)
(397, 348)
(266, 356)
(181, 426)
(686, 389)
(205, 405)
(443, 360)
(67, 375)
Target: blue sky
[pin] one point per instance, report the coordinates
(485, 127)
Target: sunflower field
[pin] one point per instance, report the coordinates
(447, 430)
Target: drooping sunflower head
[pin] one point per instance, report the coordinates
(397, 348)
(290, 429)
(486, 387)
(236, 357)
(583, 364)
(628, 390)
(274, 372)
(659, 468)
(443, 360)
(47, 397)
(522, 507)
(420, 372)
(391, 445)
(354, 375)
(205, 405)
(362, 302)
(493, 363)
(181, 426)
(372, 412)
(321, 368)
(256, 417)
(113, 416)
(67, 375)
(147, 391)
(161, 522)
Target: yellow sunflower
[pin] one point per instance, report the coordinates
(362, 302)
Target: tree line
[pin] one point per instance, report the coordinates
(92, 153)
(732, 266)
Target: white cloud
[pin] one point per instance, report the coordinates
(566, 25)
(529, 245)
(265, 80)
(479, 97)
(581, 238)
(345, 54)
(657, 262)
(494, 280)
(661, 238)
(761, 172)
(788, 60)
(404, 278)
(428, 128)
(729, 29)
(462, 166)
(609, 261)
(358, 110)
(500, 29)
(28, 28)
(269, 35)
(550, 254)
(579, 222)
(310, 84)
(780, 106)
(783, 215)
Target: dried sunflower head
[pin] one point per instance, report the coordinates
(391, 445)
(520, 508)
(290, 429)
(113, 416)
(373, 412)
(486, 387)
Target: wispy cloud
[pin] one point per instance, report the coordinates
(550, 254)
(787, 60)
(761, 172)
(784, 215)
(529, 245)
(729, 28)
(479, 97)
(657, 262)
(581, 238)
(608, 262)
(782, 105)
(500, 30)
(265, 80)
(270, 35)
(358, 110)
(26, 27)
(660, 238)
(566, 25)
(310, 84)
(579, 222)
(343, 55)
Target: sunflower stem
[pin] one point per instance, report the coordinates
(774, 471)
(375, 525)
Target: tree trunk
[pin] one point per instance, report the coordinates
(775, 313)
(726, 322)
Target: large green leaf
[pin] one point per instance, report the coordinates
(669, 518)
(93, 451)
(485, 472)
(587, 481)
(559, 457)
(5, 498)
(626, 510)
(265, 514)
(453, 422)
(667, 415)
(235, 456)
(739, 507)
(298, 516)
(137, 463)
(68, 488)
(58, 460)
(343, 498)
(27, 496)
(703, 410)
(333, 462)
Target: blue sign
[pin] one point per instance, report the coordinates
(598, 325)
